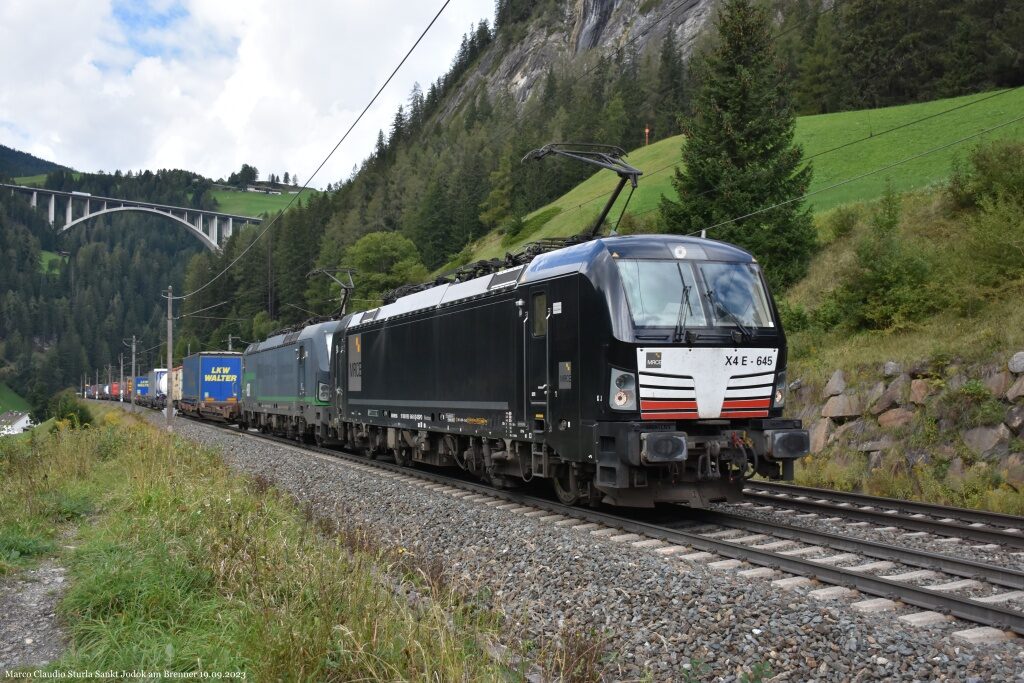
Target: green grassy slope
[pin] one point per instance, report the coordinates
(9, 400)
(47, 257)
(253, 203)
(818, 134)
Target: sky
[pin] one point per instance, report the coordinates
(208, 85)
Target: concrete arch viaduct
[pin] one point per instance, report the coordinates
(212, 228)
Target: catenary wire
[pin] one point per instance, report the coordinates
(305, 185)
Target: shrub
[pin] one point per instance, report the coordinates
(972, 405)
(995, 238)
(65, 407)
(887, 287)
(843, 220)
(794, 316)
(993, 170)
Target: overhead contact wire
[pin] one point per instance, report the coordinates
(305, 185)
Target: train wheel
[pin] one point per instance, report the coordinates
(567, 487)
(403, 456)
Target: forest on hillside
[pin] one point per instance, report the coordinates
(71, 317)
(448, 170)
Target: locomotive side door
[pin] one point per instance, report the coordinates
(300, 355)
(537, 341)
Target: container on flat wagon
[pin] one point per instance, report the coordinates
(142, 386)
(174, 386)
(157, 382)
(115, 391)
(211, 377)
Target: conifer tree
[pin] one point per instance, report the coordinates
(739, 155)
(669, 99)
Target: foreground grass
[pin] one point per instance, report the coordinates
(182, 566)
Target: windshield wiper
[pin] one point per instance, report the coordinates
(718, 306)
(680, 335)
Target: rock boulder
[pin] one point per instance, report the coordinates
(842, 407)
(1016, 363)
(988, 441)
(836, 384)
(1013, 469)
(1015, 419)
(998, 383)
(919, 390)
(890, 369)
(892, 396)
(820, 431)
(897, 417)
(1016, 390)
(874, 393)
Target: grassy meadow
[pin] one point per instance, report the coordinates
(872, 148)
(10, 400)
(255, 203)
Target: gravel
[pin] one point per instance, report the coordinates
(30, 635)
(657, 614)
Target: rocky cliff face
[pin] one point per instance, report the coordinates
(585, 27)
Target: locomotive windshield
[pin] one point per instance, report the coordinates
(689, 294)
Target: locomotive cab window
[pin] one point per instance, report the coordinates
(539, 314)
(672, 294)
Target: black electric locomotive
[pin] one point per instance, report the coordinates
(627, 370)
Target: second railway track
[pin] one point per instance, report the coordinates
(976, 525)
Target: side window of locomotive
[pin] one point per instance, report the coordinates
(539, 314)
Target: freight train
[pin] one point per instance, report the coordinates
(625, 370)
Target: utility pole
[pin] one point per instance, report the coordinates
(135, 389)
(170, 362)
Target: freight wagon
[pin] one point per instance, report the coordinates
(141, 388)
(157, 381)
(210, 385)
(174, 386)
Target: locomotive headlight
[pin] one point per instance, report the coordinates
(781, 389)
(622, 393)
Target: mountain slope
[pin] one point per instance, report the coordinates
(17, 163)
(870, 148)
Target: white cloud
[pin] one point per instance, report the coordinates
(208, 85)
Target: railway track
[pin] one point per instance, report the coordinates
(977, 525)
(942, 585)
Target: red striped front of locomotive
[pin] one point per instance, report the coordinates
(706, 383)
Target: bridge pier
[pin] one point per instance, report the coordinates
(67, 219)
(53, 203)
(34, 199)
(231, 228)
(214, 230)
